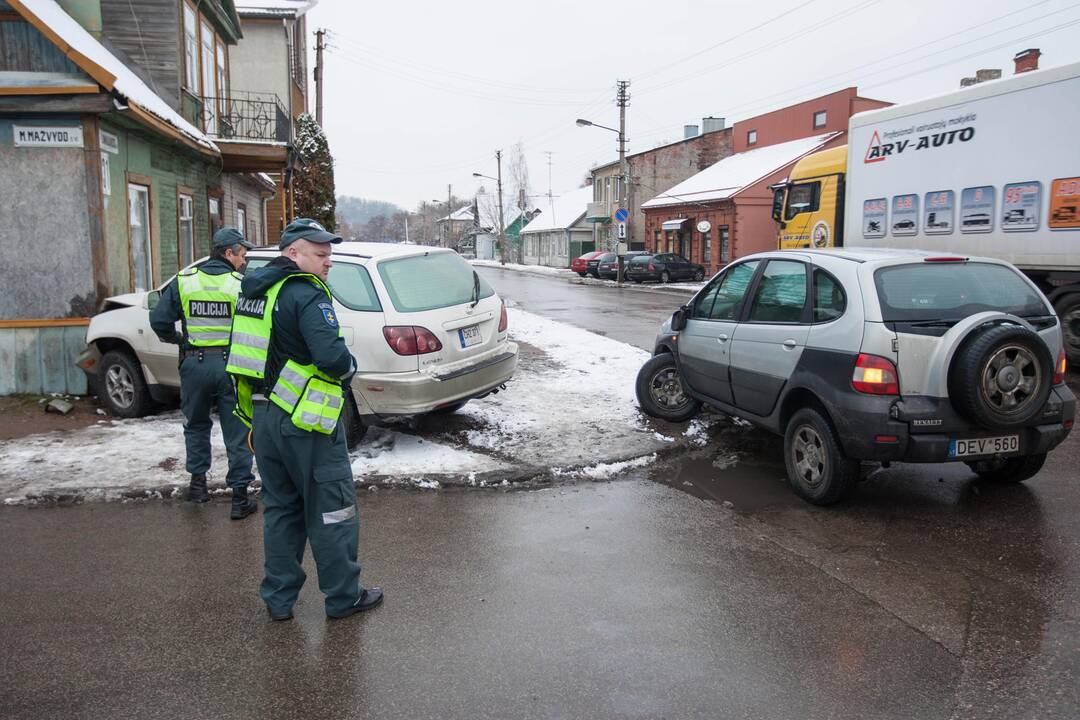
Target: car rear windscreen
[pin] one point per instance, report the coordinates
(429, 282)
(953, 291)
(641, 259)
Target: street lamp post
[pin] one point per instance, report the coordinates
(502, 223)
(623, 176)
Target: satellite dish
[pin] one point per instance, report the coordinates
(704, 226)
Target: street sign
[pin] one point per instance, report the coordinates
(622, 231)
(621, 214)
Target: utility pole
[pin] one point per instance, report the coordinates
(319, 45)
(502, 226)
(449, 213)
(622, 99)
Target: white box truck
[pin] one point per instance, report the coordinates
(990, 170)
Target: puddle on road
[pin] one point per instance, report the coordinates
(741, 468)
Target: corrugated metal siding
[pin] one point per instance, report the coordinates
(41, 360)
(22, 47)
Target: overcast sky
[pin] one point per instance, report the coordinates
(420, 94)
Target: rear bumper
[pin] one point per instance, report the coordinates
(413, 393)
(868, 424)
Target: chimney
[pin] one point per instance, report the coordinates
(711, 124)
(1027, 60)
(981, 76)
(689, 131)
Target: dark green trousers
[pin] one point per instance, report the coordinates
(202, 385)
(308, 496)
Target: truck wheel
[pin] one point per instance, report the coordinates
(1008, 470)
(1000, 376)
(817, 468)
(660, 391)
(121, 386)
(1068, 309)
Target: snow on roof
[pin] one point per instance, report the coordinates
(464, 213)
(566, 210)
(274, 8)
(730, 175)
(126, 82)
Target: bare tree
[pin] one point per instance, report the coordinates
(522, 190)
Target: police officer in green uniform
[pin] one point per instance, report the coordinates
(292, 371)
(203, 298)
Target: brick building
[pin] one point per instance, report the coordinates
(733, 194)
(653, 172)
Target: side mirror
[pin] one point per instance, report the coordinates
(152, 299)
(678, 318)
(779, 195)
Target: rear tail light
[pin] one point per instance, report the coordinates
(411, 340)
(1059, 368)
(503, 320)
(875, 376)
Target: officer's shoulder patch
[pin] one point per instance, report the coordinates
(328, 314)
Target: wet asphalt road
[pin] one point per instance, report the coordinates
(697, 588)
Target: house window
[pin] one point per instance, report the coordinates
(106, 177)
(706, 247)
(191, 50)
(820, 118)
(725, 251)
(751, 137)
(141, 251)
(209, 112)
(241, 217)
(221, 79)
(656, 241)
(185, 229)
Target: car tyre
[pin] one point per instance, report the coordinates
(122, 387)
(1000, 376)
(699, 275)
(355, 428)
(1008, 470)
(665, 277)
(817, 468)
(660, 391)
(583, 274)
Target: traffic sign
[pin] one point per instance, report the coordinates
(621, 214)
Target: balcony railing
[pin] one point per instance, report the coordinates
(246, 116)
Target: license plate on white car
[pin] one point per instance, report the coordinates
(984, 446)
(470, 336)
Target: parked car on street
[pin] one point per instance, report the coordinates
(580, 265)
(865, 354)
(428, 331)
(608, 269)
(663, 267)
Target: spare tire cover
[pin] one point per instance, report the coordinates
(1000, 377)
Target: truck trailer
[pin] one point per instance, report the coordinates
(990, 170)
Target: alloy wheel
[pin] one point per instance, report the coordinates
(120, 386)
(666, 389)
(1011, 378)
(809, 455)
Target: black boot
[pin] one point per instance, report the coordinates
(242, 505)
(197, 490)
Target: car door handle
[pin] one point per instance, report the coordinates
(721, 338)
(789, 344)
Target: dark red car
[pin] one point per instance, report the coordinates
(580, 265)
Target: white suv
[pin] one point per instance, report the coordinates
(428, 333)
(881, 355)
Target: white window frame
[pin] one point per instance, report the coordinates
(208, 45)
(185, 214)
(191, 49)
(751, 137)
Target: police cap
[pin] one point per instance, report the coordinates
(306, 229)
(227, 237)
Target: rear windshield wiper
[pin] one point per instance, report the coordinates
(475, 289)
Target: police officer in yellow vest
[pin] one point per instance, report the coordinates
(292, 371)
(203, 298)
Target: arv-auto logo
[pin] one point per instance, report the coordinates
(879, 151)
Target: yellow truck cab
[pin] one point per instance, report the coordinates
(809, 206)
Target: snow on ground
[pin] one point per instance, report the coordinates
(533, 269)
(570, 405)
(575, 405)
(566, 273)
